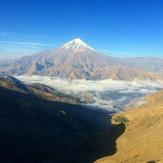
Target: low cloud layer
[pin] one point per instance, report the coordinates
(107, 94)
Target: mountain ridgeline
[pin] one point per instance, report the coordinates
(77, 60)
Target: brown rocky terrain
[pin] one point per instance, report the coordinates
(39, 90)
(142, 140)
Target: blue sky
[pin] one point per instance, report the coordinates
(115, 27)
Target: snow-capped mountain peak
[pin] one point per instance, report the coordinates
(77, 45)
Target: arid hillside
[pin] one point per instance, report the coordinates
(142, 140)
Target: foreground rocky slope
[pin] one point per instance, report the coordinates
(39, 125)
(36, 128)
(142, 140)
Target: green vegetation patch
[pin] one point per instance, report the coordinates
(152, 161)
(121, 119)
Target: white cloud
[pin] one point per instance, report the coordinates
(12, 49)
(106, 94)
(18, 43)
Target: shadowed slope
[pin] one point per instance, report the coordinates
(102, 144)
(34, 129)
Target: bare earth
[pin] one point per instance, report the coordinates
(142, 141)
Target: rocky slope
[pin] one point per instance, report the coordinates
(39, 90)
(142, 140)
(37, 129)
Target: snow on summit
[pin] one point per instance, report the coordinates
(76, 45)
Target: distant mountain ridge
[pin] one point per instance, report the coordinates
(77, 60)
(38, 90)
(147, 63)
